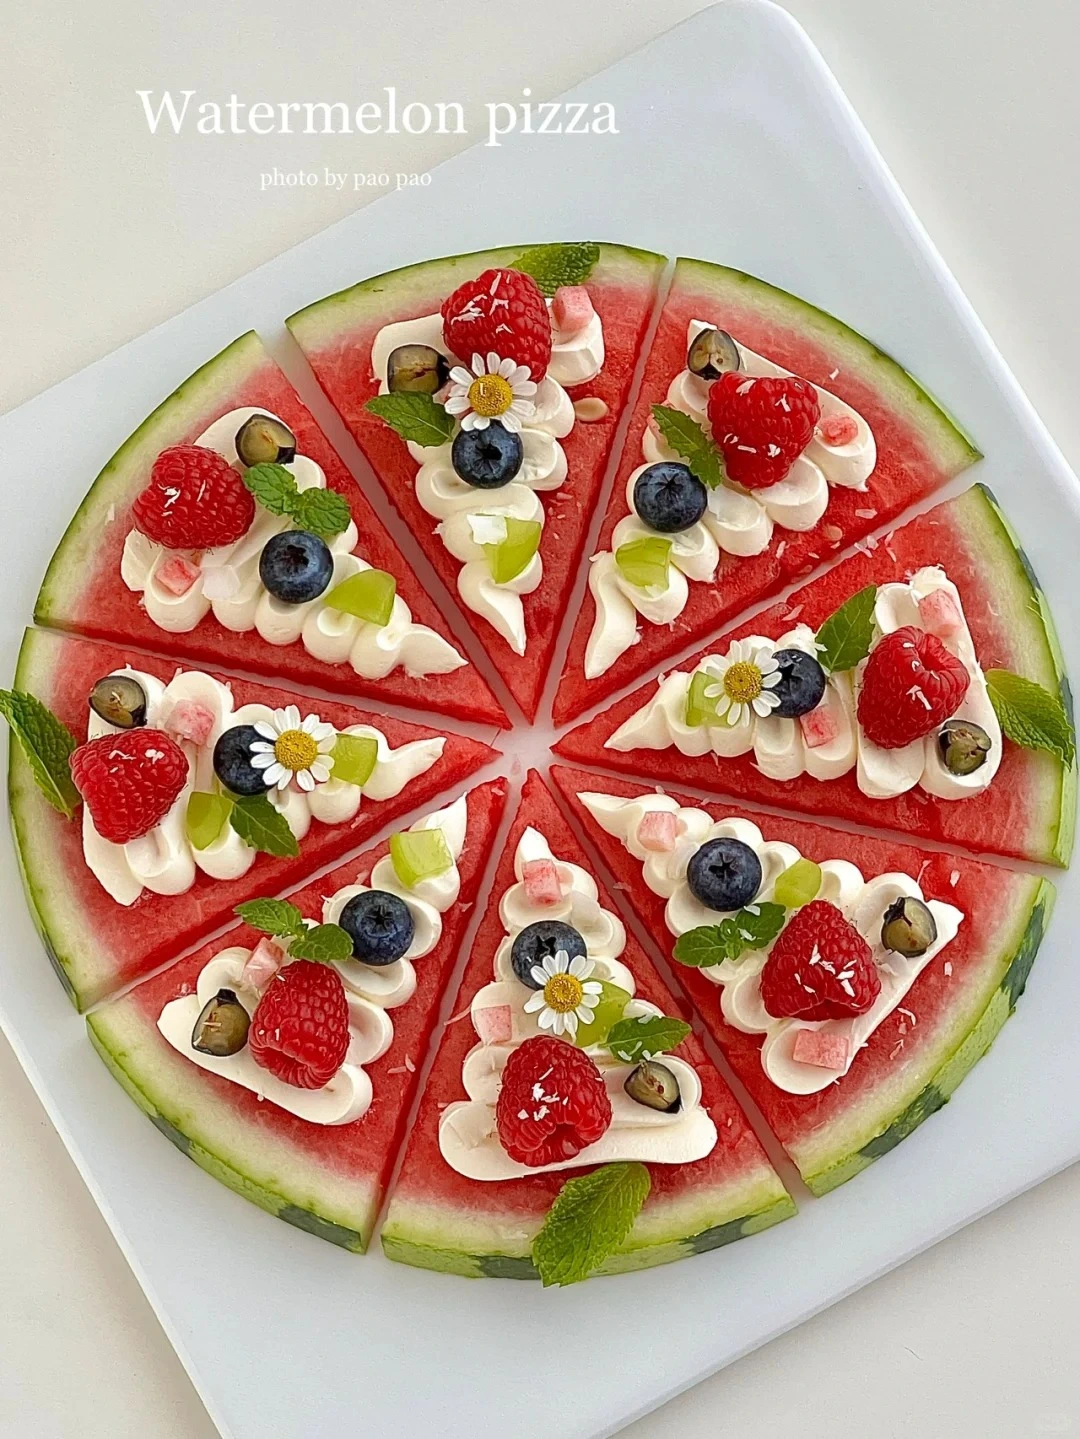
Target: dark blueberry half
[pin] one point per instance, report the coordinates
(802, 683)
(653, 1085)
(669, 498)
(487, 459)
(724, 874)
(119, 700)
(963, 746)
(541, 941)
(296, 566)
(262, 440)
(908, 927)
(232, 761)
(380, 926)
(222, 1026)
(712, 354)
(416, 370)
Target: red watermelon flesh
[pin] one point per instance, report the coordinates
(336, 335)
(1028, 811)
(327, 1179)
(97, 945)
(83, 591)
(916, 1058)
(918, 450)
(438, 1219)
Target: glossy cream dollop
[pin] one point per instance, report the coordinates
(736, 522)
(468, 1136)
(371, 992)
(164, 860)
(228, 583)
(470, 518)
(863, 902)
(778, 745)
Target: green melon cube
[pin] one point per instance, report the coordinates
(609, 1011)
(700, 709)
(508, 558)
(419, 854)
(644, 562)
(207, 815)
(354, 758)
(369, 596)
(798, 885)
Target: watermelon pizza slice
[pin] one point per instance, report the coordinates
(917, 687)
(226, 530)
(851, 982)
(766, 436)
(307, 1122)
(148, 800)
(571, 1122)
(485, 391)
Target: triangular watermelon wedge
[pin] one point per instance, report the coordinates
(1027, 810)
(328, 1179)
(918, 448)
(438, 1219)
(915, 1058)
(337, 335)
(97, 944)
(83, 590)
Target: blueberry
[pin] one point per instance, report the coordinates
(296, 566)
(725, 874)
(487, 459)
(541, 941)
(232, 761)
(669, 498)
(380, 926)
(802, 683)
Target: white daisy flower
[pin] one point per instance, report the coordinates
(567, 995)
(746, 679)
(292, 748)
(493, 389)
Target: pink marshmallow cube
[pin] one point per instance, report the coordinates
(494, 1024)
(658, 831)
(541, 881)
(191, 721)
(262, 964)
(571, 309)
(177, 575)
(819, 726)
(837, 430)
(939, 613)
(824, 1048)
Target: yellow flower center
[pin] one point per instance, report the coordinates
(295, 749)
(742, 682)
(563, 993)
(490, 395)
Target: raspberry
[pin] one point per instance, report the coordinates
(195, 500)
(819, 968)
(502, 311)
(552, 1103)
(129, 781)
(300, 1028)
(911, 684)
(762, 424)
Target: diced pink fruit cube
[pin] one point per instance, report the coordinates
(837, 430)
(190, 720)
(494, 1024)
(541, 881)
(177, 575)
(571, 309)
(819, 726)
(262, 964)
(825, 1048)
(940, 613)
(658, 830)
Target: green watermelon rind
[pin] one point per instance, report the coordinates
(371, 299)
(951, 448)
(345, 1218)
(853, 1143)
(437, 1238)
(174, 417)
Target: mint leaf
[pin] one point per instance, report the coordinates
(323, 512)
(275, 917)
(47, 744)
(263, 827)
(710, 944)
(844, 639)
(686, 437)
(1030, 715)
(273, 486)
(323, 943)
(633, 1039)
(589, 1219)
(554, 265)
(415, 417)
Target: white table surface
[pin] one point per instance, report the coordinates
(104, 231)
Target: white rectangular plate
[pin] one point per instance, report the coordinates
(737, 146)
